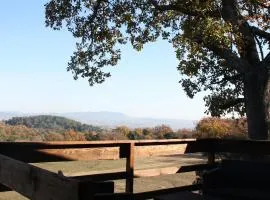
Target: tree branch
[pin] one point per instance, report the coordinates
(259, 43)
(266, 61)
(91, 19)
(232, 102)
(228, 78)
(260, 33)
(246, 44)
(238, 63)
(183, 9)
(264, 5)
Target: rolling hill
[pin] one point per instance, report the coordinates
(50, 122)
(111, 119)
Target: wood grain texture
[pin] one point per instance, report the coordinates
(36, 183)
(67, 151)
(39, 184)
(146, 195)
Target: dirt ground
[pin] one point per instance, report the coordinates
(140, 184)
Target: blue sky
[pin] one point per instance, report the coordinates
(34, 78)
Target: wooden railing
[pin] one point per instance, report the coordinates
(36, 183)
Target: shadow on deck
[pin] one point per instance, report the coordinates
(222, 179)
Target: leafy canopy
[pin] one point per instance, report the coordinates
(208, 37)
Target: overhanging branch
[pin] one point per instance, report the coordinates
(260, 33)
(228, 78)
(264, 5)
(266, 61)
(238, 63)
(182, 8)
(231, 103)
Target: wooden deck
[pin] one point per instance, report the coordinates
(40, 184)
(180, 195)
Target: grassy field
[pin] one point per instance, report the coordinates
(140, 184)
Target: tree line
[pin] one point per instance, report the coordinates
(51, 122)
(63, 129)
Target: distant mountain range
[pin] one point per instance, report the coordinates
(111, 119)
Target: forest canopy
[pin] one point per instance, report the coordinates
(51, 122)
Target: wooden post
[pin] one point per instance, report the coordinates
(87, 189)
(211, 158)
(211, 144)
(130, 168)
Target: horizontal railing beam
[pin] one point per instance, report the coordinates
(68, 151)
(36, 183)
(101, 177)
(197, 167)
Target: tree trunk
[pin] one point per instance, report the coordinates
(257, 95)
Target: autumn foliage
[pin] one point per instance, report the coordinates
(205, 128)
(221, 128)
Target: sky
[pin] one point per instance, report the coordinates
(34, 79)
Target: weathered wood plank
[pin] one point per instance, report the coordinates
(32, 156)
(105, 153)
(200, 145)
(113, 152)
(211, 158)
(146, 195)
(101, 177)
(151, 194)
(67, 151)
(163, 142)
(249, 147)
(144, 172)
(155, 172)
(172, 170)
(203, 145)
(181, 195)
(39, 152)
(158, 150)
(36, 183)
(87, 189)
(197, 167)
(92, 144)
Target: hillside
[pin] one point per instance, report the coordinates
(111, 119)
(51, 122)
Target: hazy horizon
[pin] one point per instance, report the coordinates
(110, 119)
(34, 77)
(101, 111)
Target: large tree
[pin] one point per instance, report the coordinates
(222, 46)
